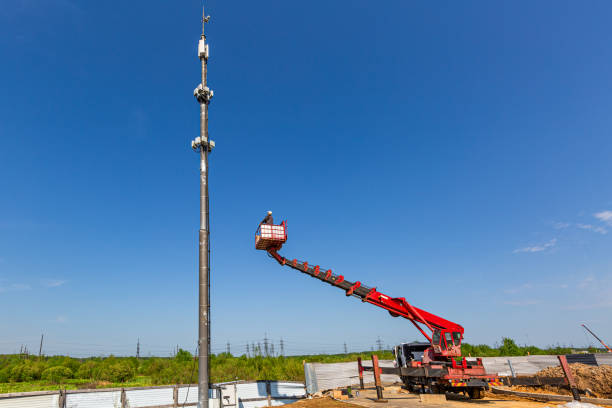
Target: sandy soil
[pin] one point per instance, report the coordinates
(596, 379)
(323, 403)
(406, 400)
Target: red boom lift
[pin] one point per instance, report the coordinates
(423, 367)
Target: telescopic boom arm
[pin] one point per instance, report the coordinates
(600, 340)
(395, 306)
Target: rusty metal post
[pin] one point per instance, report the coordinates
(569, 376)
(269, 393)
(377, 382)
(360, 369)
(124, 403)
(61, 402)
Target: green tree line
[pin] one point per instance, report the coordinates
(27, 373)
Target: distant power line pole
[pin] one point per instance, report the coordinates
(138, 349)
(379, 343)
(272, 349)
(247, 350)
(228, 348)
(41, 343)
(266, 350)
(282, 347)
(345, 348)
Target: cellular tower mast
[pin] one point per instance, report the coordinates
(203, 146)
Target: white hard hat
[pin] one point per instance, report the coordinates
(269, 212)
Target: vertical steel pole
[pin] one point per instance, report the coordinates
(511, 368)
(360, 369)
(203, 95)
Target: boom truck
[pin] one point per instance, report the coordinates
(435, 366)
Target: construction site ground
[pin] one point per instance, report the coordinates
(402, 399)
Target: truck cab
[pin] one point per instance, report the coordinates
(446, 343)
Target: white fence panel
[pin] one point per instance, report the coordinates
(524, 365)
(247, 391)
(108, 399)
(147, 398)
(604, 358)
(235, 395)
(280, 389)
(335, 375)
(188, 395)
(39, 401)
(251, 390)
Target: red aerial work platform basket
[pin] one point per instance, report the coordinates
(271, 236)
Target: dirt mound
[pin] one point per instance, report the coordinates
(325, 402)
(598, 379)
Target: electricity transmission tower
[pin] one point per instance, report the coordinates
(282, 347)
(266, 349)
(41, 344)
(379, 344)
(228, 348)
(345, 348)
(138, 349)
(247, 350)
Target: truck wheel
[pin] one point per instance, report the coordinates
(476, 392)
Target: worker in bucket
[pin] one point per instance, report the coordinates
(268, 220)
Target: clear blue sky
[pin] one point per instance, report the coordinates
(458, 154)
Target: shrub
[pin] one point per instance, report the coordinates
(154, 365)
(118, 372)
(183, 356)
(57, 374)
(509, 348)
(25, 371)
(71, 363)
(175, 373)
(86, 370)
(5, 374)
